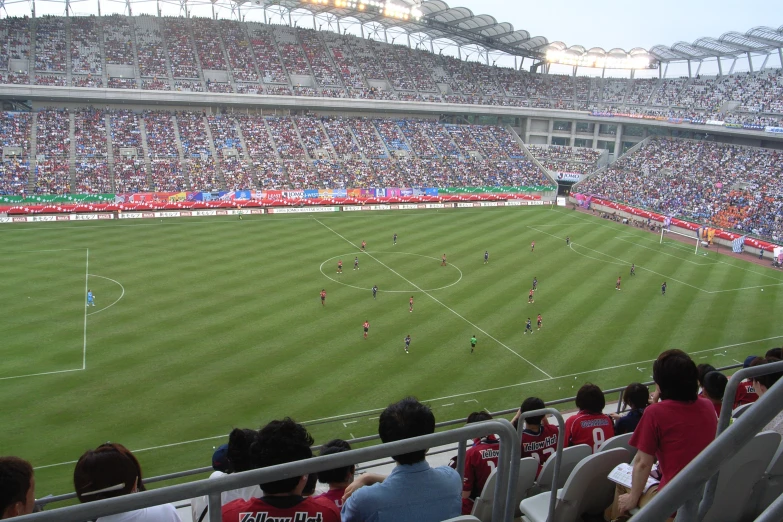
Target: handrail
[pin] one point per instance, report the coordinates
(707, 463)
(503, 510)
(558, 454)
(725, 419)
(369, 438)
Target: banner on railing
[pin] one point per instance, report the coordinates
(568, 176)
(774, 130)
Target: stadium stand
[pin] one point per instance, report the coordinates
(733, 187)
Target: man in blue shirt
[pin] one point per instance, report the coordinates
(413, 492)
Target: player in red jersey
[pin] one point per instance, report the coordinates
(364, 245)
(443, 260)
(366, 327)
(410, 304)
(480, 460)
(323, 297)
(590, 426)
(279, 442)
(530, 297)
(617, 285)
(538, 320)
(340, 266)
(539, 438)
(532, 246)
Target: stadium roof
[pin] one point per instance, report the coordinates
(731, 44)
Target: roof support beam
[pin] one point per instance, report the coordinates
(780, 56)
(689, 69)
(750, 62)
(720, 67)
(764, 63)
(733, 64)
(698, 69)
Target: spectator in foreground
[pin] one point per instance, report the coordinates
(233, 457)
(17, 487)
(339, 478)
(746, 393)
(713, 388)
(279, 442)
(480, 460)
(111, 470)
(673, 431)
(591, 425)
(413, 492)
(539, 438)
(762, 384)
(636, 397)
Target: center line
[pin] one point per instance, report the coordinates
(430, 296)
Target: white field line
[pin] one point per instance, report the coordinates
(86, 289)
(115, 302)
(430, 296)
(626, 263)
(348, 415)
(658, 251)
(37, 374)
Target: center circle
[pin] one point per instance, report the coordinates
(370, 256)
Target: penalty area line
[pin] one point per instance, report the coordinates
(430, 296)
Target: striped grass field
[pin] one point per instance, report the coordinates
(205, 324)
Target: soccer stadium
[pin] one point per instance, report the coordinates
(385, 260)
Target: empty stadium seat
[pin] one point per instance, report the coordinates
(587, 490)
(482, 507)
(571, 457)
(619, 441)
(463, 518)
(767, 488)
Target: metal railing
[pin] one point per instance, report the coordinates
(680, 491)
(371, 438)
(502, 510)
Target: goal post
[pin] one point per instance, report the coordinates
(665, 231)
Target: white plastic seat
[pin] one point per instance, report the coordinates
(619, 441)
(571, 457)
(482, 507)
(587, 490)
(463, 518)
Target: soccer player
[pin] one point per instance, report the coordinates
(590, 426)
(323, 297)
(663, 288)
(410, 303)
(240, 215)
(394, 239)
(374, 291)
(443, 260)
(535, 284)
(530, 297)
(340, 266)
(90, 298)
(528, 327)
(532, 246)
(366, 327)
(486, 257)
(473, 342)
(568, 240)
(617, 285)
(364, 245)
(407, 342)
(633, 269)
(538, 320)
(356, 263)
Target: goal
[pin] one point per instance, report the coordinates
(690, 237)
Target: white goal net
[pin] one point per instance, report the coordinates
(688, 238)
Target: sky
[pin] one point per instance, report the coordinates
(592, 23)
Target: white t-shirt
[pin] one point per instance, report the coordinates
(163, 513)
(198, 504)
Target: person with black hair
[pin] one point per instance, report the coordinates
(539, 438)
(339, 478)
(674, 430)
(17, 487)
(762, 384)
(480, 460)
(713, 387)
(777, 353)
(746, 393)
(591, 425)
(279, 442)
(233, 457)
(703, 370)
(636, 396)
(413, 492)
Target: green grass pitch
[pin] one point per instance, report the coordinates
(205, 324)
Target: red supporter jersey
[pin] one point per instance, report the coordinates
(540, 445)
(675, 432)
(480, 460)
(258, 510)
(333, 495)
(588, 428)
(746, 394)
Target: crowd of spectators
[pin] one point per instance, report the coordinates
(176, 33)
(93, 176)
(207, 38)
(85, 46)
(118, 40)
(578, 160)
(318, 58)
(150, 52)
(50, 44)
(286, 138)
(52, 80)
(700, 180)
(269, 64)
(15, 168)
(240, 56)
